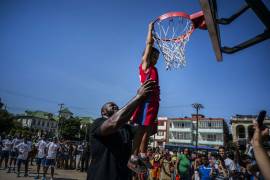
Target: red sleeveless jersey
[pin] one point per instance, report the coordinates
(146, 113)
(152, 74)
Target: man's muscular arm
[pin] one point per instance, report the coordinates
(119, 118)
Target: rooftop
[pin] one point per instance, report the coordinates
(238, 116)
(40, 114)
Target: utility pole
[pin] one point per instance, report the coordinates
(86, 130)
(59, 120)
(197, 106)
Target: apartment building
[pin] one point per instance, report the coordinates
(212, 132)
(161, 137)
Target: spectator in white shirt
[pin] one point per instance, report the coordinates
(23, 149)
(14, 153)
(41, 156)
(6, 148)
(52, 148)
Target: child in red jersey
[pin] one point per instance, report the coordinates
(146, 114)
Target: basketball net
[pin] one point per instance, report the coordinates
(172, 35)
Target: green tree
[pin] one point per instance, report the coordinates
(70, 129)
(7, 122)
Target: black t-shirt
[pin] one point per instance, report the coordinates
(110, 154)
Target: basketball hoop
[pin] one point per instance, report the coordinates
(172, 32)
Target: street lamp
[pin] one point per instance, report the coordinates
(197, 106)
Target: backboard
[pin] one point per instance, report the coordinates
(212, 21)
(209, 8)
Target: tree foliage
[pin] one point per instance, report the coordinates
(70, 129)
(7, 122)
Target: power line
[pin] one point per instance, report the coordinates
(175, 106)
(17, 108)
(28, 96)
(41, 99)
(23, 109)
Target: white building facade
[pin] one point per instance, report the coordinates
(242, 127)
(39, 121)
(161, 137)
(211, 131)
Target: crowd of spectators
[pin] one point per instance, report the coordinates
(236, 162)
(64, 154)
(186, 164)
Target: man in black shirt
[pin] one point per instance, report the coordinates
(111, 138)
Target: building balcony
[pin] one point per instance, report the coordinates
(162, 128)
(186, 141)
(210, 130)
(160, 137)
(180, 129)
(220, 143)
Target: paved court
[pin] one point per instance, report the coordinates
(60, 174)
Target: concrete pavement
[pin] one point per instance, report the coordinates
(60, 174)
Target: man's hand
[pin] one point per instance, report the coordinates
(146, 88)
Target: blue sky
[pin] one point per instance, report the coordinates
(85, 53)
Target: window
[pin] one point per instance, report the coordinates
(220, 124)
(250, 132)
(34, 122)
(182, 124)
(181, 135)
(203, 124)
(210, 124)
(187, 124)
(214, 124)
(212, 137)
(160, 133)
(42, 124)
(241, 131)
(170, 135)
